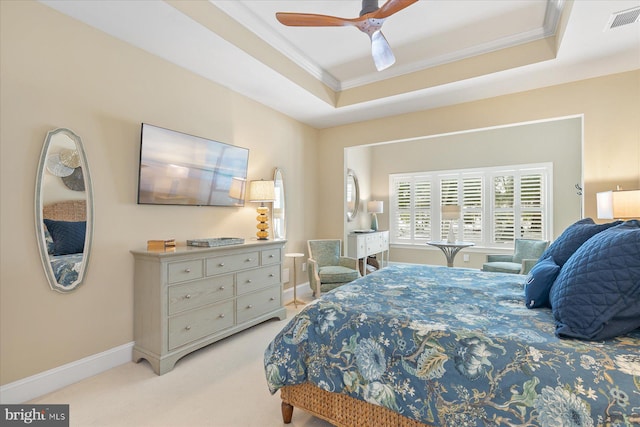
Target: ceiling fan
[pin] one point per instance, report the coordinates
(370, 22)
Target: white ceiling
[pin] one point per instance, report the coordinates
(448, 51)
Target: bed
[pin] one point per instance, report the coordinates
(415, 345)
(64, 230)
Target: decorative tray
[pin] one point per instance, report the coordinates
(216, 241)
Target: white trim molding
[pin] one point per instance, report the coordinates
(29, 388)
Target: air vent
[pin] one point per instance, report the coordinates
(625, 17)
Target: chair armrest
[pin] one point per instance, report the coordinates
(314, 277)
(499, 258)
(527, 265)
(348, 262)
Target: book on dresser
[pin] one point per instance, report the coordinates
(195, 296)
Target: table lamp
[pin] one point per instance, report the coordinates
(260, 192)
(618, 204)
(375, 207)
(451, 213)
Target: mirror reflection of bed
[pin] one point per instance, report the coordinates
(65, 233)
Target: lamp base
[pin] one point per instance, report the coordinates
(374, 222)
(262, 225)
(451, 237)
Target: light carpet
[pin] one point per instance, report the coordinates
(221, 385)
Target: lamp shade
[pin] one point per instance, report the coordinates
(450, 212)
(262, 191)
(621, 204)
(375, 206)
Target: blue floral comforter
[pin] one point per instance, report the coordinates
(456, 347)
(66, 268)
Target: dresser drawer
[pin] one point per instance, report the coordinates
(258, 303)
(247, 281)
(270, 256)
(199, 323)
(202, 292)
(229, 263)
(185, 270)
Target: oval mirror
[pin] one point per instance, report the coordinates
(64, 210)
(352, 195)
(279, 220)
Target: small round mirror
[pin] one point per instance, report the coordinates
(279, 219)
(352, 195)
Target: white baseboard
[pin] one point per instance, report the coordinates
(302, 290)
(23, 390)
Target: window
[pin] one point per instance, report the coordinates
(497, 205)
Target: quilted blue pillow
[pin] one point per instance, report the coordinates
(68, 236)
(597, 293)
(574, 236)
(539, 282)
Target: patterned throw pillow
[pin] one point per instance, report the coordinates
(68, 236)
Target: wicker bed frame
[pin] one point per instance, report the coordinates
(68, 210)
(339, 409)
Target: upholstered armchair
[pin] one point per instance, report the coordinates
(526, 254)
(327, 268)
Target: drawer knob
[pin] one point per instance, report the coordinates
(187, 296)
(187, 270)
(271, 275)
(221, 316)
(222, 288)
(272, 299)
(187, 328)
(248, 280)
(221, 264)
(249, 259)
(250, 306)
(271, 256)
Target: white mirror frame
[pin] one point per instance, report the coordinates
(278, 211)
(352, 195)
(52, 142)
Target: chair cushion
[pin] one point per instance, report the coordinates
(502, 267)
(574, 236)
(597, 293)
(539, 282)
(337, 274)
(528, 249)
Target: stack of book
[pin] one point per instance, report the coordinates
(161, 245)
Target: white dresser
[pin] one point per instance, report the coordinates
(190, 298)
(362, 245)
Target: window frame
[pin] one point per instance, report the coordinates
(438, 228)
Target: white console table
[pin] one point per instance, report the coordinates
(362, 245)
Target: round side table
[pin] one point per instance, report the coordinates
(295, 300)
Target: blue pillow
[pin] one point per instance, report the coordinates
(597, 293)
(68, 236)
(573, 237)
(539, 282)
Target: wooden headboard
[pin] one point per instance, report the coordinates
(68, 210)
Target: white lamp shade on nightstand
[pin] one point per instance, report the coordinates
(621, 204)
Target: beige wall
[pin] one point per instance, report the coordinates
(57, 72)
(610, 107)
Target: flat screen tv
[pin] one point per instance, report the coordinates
(181, 169)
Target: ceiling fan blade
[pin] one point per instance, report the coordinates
(391, 7)
(312, 20)
(381, 51)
